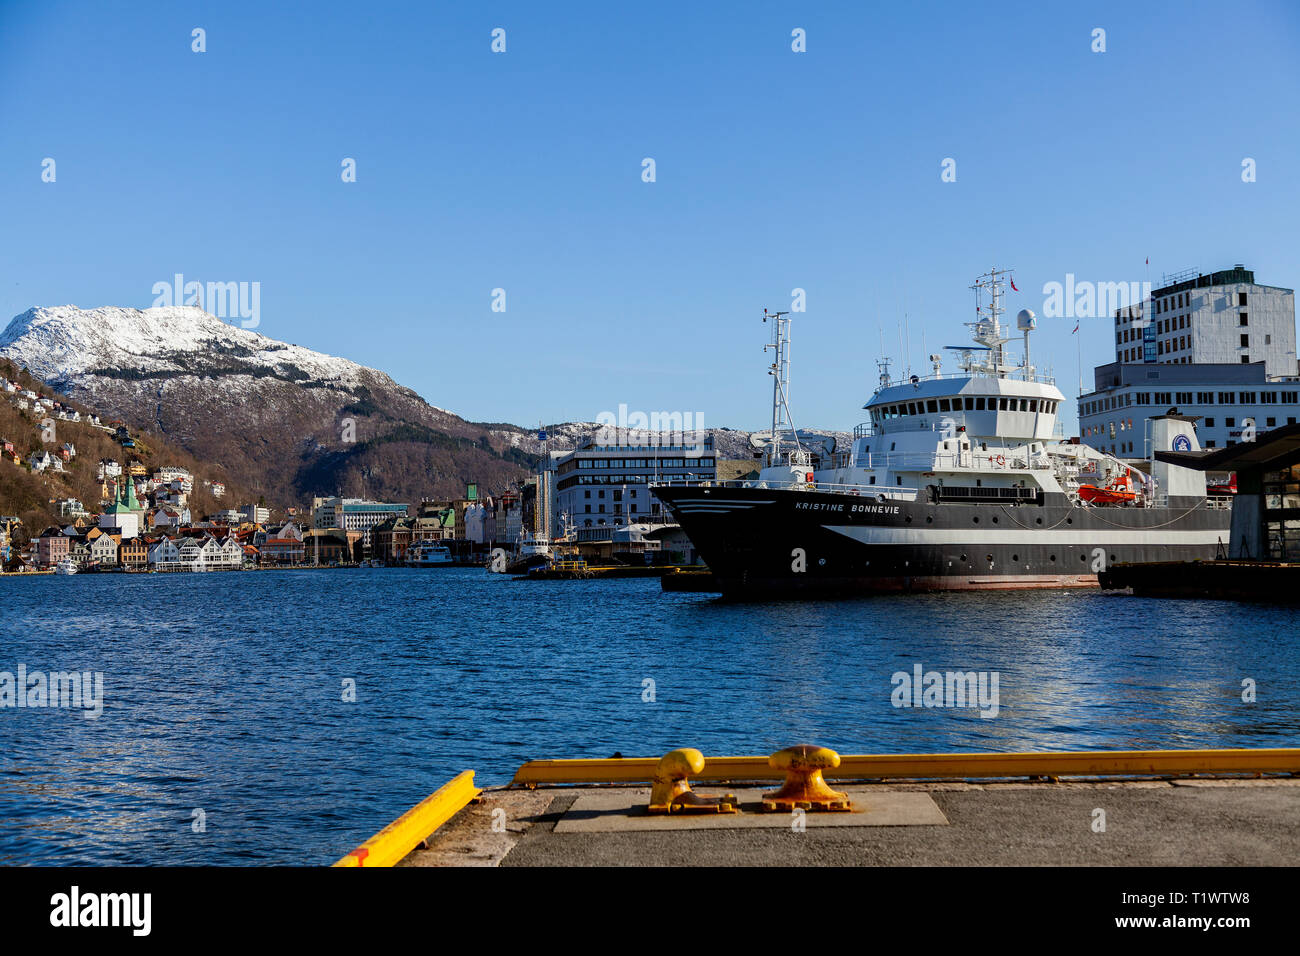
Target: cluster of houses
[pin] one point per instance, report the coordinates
(144, 523)
(202, 546)
(43, 407)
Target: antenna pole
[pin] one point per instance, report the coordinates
(779, 370)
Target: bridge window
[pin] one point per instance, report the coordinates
(979, 404)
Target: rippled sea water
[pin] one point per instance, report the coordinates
(224, 692)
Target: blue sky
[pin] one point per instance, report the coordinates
(775, 170)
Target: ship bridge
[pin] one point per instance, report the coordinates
(982, 407)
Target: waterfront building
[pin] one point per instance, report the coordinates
(603, 486)
(51, 547)
(331, 545)
(507, 518)
(480, 523)
(284, 546)
(133, 553)
(196, 554)
(1218, 347)
(103, 548)
(79, 552)
(354, 514)
(390, 539)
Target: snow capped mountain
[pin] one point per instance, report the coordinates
(288, 419)
(64, 344)
(279, 417)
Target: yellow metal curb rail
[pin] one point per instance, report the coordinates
(1082, 763)
(396, 840)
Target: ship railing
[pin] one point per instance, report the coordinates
(1016, 374)
(877, 491)
(981, 460)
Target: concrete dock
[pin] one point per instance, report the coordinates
(1179, 822)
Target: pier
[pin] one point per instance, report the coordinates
(1135, 808)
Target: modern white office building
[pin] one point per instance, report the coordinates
(354, 514)
(608, 486)
(1218, 346)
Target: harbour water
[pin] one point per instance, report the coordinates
(224, 694)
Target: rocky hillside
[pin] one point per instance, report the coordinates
(30, 495)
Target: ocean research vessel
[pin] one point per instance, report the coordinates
(957, 481)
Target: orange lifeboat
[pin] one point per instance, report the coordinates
(1119, 491)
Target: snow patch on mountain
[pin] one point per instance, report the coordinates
(65, 344)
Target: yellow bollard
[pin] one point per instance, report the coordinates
(670, 791)
(805, 787)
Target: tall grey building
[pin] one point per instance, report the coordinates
(1218, 346)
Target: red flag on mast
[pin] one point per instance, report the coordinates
(1013, 286)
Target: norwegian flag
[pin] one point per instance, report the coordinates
(1013, 286)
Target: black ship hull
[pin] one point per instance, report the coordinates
(762, 542)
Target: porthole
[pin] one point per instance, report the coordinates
(1083, 557)
(1015, 558)
(995, 519)
(963, 557)
(1051, 557)
(976, 519)
(929, 519)
(1069, 521)
(1038, 521)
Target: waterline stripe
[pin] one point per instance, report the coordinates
(1081, 537)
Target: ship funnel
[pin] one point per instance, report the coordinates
(1175, 433)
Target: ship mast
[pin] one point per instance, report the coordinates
(780, 372)
(987, 328)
